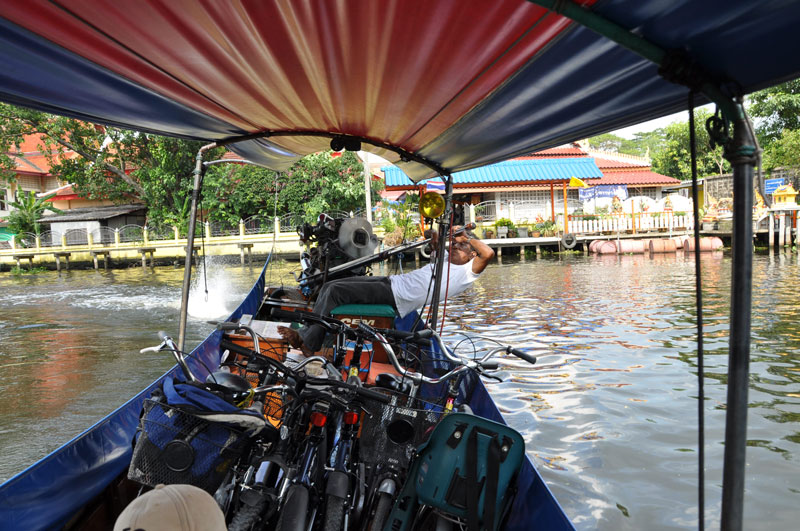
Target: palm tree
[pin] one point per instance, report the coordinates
(27, 210)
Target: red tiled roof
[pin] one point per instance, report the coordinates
(608, 163)
(634, 178)
(566, 151)
(30, 159)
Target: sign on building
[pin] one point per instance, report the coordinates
(603, 190)
(770, 185)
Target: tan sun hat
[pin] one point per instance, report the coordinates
(172, 508)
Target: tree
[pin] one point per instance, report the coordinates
(776, 109)
(27, 210)
(783, 152)
(109, 163)
(321, 183)
(673, 158)
(317, 183)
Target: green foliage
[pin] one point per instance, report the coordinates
(27, 210)
(400, 222)
(673, 159)
(783, 152)
(109, 163)
(126, 166)
(641, 145)
(777, 109)
(321, 183)
(233, 192)
(18, 271)
(504, 222)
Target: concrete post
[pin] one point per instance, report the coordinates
(241, 228)
(207, 230)
(781, 228)
(788, 237)
(797, 232)
(146, 235)
(14, 244)
(176, 233)
(38, 242)
(64, 241)
(90, 240)
(512, 213)
(276, 229)
(771, 230)
(116, 237)
(471, 213)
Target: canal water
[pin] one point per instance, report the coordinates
(609, 412)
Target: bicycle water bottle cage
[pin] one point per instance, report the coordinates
(467, 469)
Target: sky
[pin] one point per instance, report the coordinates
(652, 125)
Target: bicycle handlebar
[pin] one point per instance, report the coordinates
(522, 355)
(168, 344)
(463, 364)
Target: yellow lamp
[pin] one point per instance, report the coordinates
(431, 205)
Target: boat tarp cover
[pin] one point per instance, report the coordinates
(462, 84)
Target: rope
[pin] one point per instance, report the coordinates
(699, 301)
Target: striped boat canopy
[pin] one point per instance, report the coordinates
(436, 86)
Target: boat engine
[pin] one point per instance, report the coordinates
(334, 242)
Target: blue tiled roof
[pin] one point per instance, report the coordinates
(512, 171)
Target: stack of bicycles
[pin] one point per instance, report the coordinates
(280, 448)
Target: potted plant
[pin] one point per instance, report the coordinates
(547, 228)
(503, 225)
(479, 211)
(488, 234)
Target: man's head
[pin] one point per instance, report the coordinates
(461, 253)
(172, 508)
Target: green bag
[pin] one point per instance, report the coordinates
(467, 469)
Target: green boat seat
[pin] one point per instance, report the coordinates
(467, 469)
(367, 310)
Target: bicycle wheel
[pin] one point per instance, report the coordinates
(248, 516)
(382, 510)
(334, 513)
(295, 509)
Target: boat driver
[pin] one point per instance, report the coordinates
(405, 292)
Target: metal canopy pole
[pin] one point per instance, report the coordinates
(742, 158)
(444, 232)
(199, 171)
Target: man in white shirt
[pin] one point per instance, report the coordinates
(407, 292)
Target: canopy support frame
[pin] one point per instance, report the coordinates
(405, 155)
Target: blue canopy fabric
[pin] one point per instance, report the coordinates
(439, 85)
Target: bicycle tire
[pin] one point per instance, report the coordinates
(294, 511)
(382, 510)
(247, 517)
(334, 513)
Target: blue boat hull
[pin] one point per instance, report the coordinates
(50, 493)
